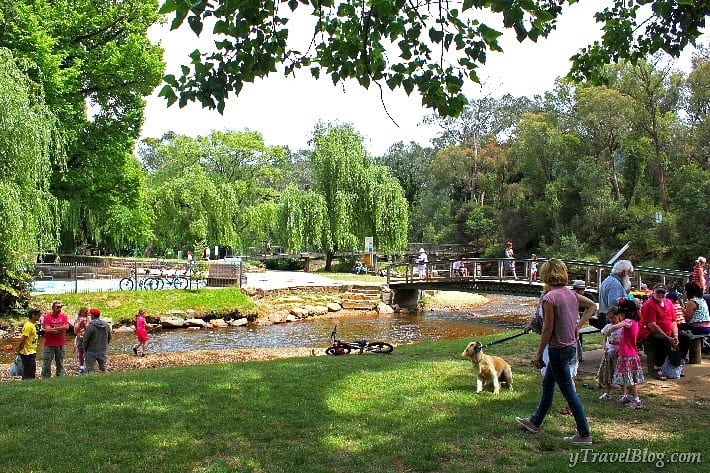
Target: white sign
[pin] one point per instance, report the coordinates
(369, 244)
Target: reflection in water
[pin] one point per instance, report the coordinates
(502, 312)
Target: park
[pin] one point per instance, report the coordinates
(613, 153)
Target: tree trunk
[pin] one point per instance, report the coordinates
(329, 260)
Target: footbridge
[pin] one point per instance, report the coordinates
(506, 276)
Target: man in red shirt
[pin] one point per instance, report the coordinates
(659, 328)
(55, 324)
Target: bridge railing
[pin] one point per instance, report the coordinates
(500, 269)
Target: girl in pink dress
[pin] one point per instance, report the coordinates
(141, 332)
(628, 372)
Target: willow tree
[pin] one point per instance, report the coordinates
(361, 198)
(28, 147)
(301, 220)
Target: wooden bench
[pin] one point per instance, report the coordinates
(695, 349)
(580, 342)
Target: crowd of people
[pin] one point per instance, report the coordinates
(660, 323)
(91, 341)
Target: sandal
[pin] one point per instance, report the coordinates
(660, 376)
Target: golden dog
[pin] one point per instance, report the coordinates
(492, 370)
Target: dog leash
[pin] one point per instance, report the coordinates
(503, 340)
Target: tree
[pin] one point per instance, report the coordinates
(352, 198)
(410, 165)
(433, 47)
(656, 92)
(604, 116)
(90, 56)
(699, 105)
(28, 140)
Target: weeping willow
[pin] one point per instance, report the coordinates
(29, 144)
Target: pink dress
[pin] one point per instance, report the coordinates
(628, 370)
(141, 329)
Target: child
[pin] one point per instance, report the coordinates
(605, 374)
(533, 267)
(628, 372)
(82, 319)
(141, 332)
(677, 308)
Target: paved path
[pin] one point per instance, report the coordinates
(261, 280)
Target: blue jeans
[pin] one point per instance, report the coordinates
(558, 373)
(50, 353)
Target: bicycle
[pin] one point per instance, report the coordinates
(149, 283)
(341, 347)
(174, 281)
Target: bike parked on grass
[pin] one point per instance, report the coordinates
(341, 347)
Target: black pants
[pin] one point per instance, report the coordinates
(29, 366)
(662, 346)
(599, 321)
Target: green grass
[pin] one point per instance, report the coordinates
(123, 305)
(411, 411)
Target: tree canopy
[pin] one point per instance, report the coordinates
(95, 63)
(432, 47)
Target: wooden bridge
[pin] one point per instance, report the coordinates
(493, 275)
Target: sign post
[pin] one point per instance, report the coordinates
(369, 250)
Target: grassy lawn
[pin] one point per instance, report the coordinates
(411, 411)
(123, 305)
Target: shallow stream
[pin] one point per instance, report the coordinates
(501, 313)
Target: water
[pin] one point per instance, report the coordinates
(502, 312)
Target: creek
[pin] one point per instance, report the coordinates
(502, 312)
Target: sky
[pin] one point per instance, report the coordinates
(285, 109)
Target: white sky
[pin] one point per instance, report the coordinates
(285, 110)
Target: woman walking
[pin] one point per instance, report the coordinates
(559, 334)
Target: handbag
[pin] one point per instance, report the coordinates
(16, 368)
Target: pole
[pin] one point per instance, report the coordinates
(619, 253)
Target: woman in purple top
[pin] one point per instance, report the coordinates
(559, 334)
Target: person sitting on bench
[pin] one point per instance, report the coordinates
(696, 310)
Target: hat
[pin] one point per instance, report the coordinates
(660, 288)
(701, 260)
(422, 250)
(94, 312)
(578, 284)
(673, 295)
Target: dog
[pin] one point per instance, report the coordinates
(492, 370)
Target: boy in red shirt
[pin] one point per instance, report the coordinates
(55, 324)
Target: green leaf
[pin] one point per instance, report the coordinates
(436, 35)
(168, 93)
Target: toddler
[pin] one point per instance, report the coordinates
(605, 375)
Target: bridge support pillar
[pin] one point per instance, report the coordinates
(408, 298)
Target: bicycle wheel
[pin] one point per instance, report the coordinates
(379, 347)
(339, 350)
(152, 284)
(126, 284)
(180, 283)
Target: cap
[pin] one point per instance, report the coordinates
(660, 287)
(421, 250)
(673, 295)
(94, 312)
(701, 260)
(578, 284)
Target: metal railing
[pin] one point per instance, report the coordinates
(501, 269)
